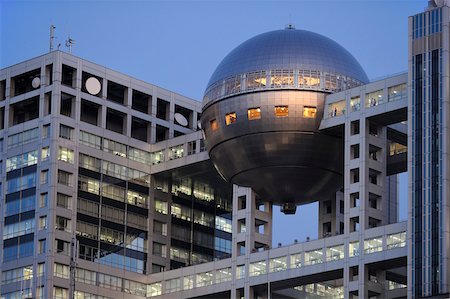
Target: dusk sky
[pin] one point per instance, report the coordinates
(178, 44)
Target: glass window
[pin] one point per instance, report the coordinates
(23, 137)
(230, 118)
(309, 112)
(335, 253)
(314, 257)
(154, 289)
(45, 153)
(353, 249)
(61, 271)
(240, 271)
(63, 224)
(66, 132)
(173, 285)
(159, 249)
(63, 201)
(396, 240)
(90, 140)
(374, 98)
(223, 275)
(64, 177)
(43, 222)
(66, 155)
(157, 157)
(89, 185)
(355, 103)
(43, 200)
(161, 206)
(281, 111)
(278, 264)
(296, 260)
(282, 78)
(60, 293)
(254, 113)
(176, 152)
(336, 109)
(44, 176)
(160, 227)
(397, 92)
(204, 279)
(22, 160)
(188, 282)
(256, 80)
(214, 125)
(89, 162)
(223, 224)
(373, 245)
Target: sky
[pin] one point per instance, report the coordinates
(178, 44)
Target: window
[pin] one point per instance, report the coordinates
(278, 264)
(254, 113)
(160, 227)
(159, 249)
(23, 160)
(353, 248)
(154, 289)
(45, 153)
(60, 293)
(230, 118)
(258, 268)
(41, 246)
(43, 200)
(66, 155)
(65, 132)
(296, 261)
(204, 279)
(313, 257)
(214, 125)
(44, 176)
(240, 271)
(63, 201)
(64, 177)
(62, 247)
(397, 92)
(373, 245)
(42, 222)
(309, 112)
(61, 271)
(374, 98)
(63, 224)
(355, 103)
(161, 206)
(223, 275)
(335, 253)
(281, 111)
(396, 240)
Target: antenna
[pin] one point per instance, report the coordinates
(69, 43)
(52, 36)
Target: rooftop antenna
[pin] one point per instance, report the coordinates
(52, 36)
(69, 43)
(290, 25)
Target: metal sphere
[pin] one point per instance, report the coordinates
(262, 110)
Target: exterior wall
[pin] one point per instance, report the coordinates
(428, 257)
(162, 162)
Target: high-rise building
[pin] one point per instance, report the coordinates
(112, 187)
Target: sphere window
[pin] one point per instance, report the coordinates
(254, 113)
(214, 125)
(281, 111)
(230, 118)
(309, 112)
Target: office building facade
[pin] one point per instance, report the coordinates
(108, 189)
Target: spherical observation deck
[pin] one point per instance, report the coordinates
(262, 110)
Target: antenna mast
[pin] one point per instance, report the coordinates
(69, 43)
(52, 36)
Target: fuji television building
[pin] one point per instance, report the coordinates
(112, 187)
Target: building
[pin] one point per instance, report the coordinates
(108, 190)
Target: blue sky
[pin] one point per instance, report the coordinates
(178, 44)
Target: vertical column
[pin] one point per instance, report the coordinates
(252, 231)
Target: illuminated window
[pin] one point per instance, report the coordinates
(214, 125)
(230, 118)
(281, 111)
(309, 112)
(254, 113)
